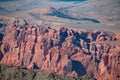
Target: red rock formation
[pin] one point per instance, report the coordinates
(62, 51)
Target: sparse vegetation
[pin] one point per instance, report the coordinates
(17, 73)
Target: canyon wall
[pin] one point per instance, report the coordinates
(62, 51)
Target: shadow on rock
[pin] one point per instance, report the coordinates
(79, 68)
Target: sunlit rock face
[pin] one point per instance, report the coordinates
(61, 51)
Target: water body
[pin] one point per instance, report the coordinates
(7, 0)
(68, 0)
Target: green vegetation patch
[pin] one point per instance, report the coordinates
(17, 73)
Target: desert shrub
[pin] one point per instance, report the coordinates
(87, 77)
(17, 73)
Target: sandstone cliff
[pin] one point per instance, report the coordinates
(62, 51)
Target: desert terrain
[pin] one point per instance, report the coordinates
(76, 14)
(71, 38)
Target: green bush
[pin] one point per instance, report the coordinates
(17, 73)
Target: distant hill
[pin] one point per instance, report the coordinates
(68, 0)
(60, 13)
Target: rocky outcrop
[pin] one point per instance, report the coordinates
(62, 51)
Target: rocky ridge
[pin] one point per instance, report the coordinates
(61, 51)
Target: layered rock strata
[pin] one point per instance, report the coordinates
(61, 51)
